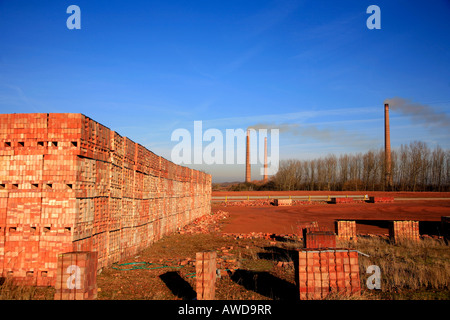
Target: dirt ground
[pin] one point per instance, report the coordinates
(372, 218)
(321, 193)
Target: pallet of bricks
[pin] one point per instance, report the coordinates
(404, 230)
(318, 237)
(346, 230)
(381, 199)
(336, 200)
(320, 272)
(68, 183)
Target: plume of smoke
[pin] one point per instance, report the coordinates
(340, 137)
(419, 113)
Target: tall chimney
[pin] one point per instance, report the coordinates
(387, 149)
(248, 173)
(265, 159)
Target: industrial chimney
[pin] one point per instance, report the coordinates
(248, 173)
(387, 149)
(265, 159)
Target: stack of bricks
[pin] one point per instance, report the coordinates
(283, 202)
(346, 230)
(341, 200)
(404, 230)
(76, 276)
(319, 239)
(205, 267)
(68, 183)
(304, 225)
(321, 272)
(381, 199)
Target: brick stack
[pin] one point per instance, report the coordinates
(76, 276)
(205, 267)
(283, 202)
(381, 199)
(346, 230)
(404, 230)
(319, 239)
(445, 225)
(341, 200)
(68, 183)
(304, 225)
(321, 272)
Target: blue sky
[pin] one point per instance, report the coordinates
(146, 68)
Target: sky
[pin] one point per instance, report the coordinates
(312, 69)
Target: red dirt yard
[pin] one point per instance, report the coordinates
(371, 217)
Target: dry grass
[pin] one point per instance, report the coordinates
(410, 270)
(11, 291)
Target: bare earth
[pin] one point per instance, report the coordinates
(371, 217)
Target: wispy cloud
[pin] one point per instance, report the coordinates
(12, 95)
(268, 17)
(326, 135)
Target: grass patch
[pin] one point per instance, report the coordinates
(409, 271)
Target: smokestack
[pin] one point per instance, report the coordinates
(265, 159)
(248, 173)
(387, 149)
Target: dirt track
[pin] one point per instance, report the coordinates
(323, 193)
(371, 218)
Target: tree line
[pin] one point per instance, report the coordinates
(414, 167)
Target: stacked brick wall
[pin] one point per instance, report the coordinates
(68, 183)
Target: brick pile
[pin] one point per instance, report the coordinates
(76, 276)
(247, 203)
(404, 230)
(346, 230)
(341, 200)
(207, 223)
(205, 267)
(381, 199)
(283, 202)
(68, 183)
(319, 239)
(321, 272)
(301, 226)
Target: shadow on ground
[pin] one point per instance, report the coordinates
(179, 287)
(265, 284)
